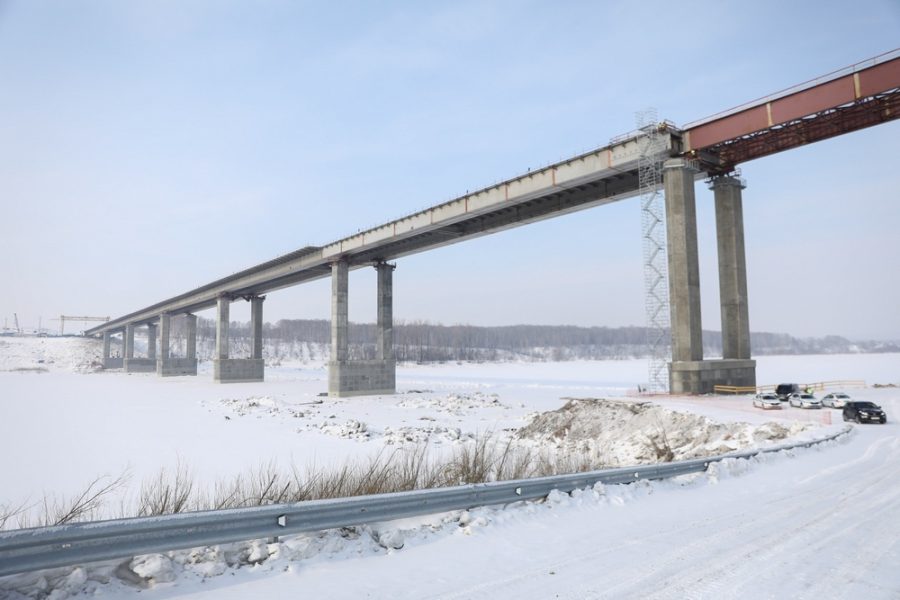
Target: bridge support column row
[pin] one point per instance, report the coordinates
(233, 370)
(689, 373)
(361, 377)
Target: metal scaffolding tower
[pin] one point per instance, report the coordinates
(656, 268)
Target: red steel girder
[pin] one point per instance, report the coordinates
(809, 129)
(829, 107)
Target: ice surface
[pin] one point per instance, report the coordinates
(782, 516)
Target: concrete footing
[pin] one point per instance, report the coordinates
(700, 376)
(175, 367)
(113, 363)
(235, 370)
(140, 365)
(361, 378)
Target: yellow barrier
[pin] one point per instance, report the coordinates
(734, 389)
(818, 386)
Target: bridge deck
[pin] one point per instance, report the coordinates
(597, 177)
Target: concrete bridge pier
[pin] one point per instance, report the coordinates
(741, 369)
(689, 373)
(109, 361)
(151, 341)
(137, 365)
(361, 377)
(235, 370)
(172, 366)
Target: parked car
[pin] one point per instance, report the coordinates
(864, 412)
(836, 399)
(784, 390)
(804, 400)
(767, 401)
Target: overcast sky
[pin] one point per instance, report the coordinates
(148, 147)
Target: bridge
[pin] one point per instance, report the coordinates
(847, 100)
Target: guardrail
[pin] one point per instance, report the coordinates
(734, 389)
(843, 383)
(23, 550)
(818, 386)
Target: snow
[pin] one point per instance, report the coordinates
(820, 523)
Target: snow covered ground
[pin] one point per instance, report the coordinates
(818, 523)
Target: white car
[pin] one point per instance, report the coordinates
(767, 401)
(836, 400)
(804, 400)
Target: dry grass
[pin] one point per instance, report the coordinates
(174, 491)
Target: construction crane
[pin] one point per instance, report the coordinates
(63, 318)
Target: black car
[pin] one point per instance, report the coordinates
(784, 390)
(864, 412)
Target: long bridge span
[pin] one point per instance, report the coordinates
(850, 99)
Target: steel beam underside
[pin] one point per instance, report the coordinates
(613, 187)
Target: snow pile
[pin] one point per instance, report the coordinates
(40, 355)
(627, 433)
(260, 406)
(349, 430)
(429, 434)
(457, 404)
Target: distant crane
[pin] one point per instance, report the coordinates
(63, 318)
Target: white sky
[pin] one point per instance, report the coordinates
(147, 148)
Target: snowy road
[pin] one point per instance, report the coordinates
(823, 523)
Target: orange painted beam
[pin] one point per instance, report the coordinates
(738, 136)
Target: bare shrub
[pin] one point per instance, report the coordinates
(10, 511)
(167, 493)
(661, 445)
(472, 462)
(83, 507)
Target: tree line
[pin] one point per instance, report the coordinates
(421, 341)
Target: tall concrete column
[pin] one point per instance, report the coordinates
(361, 377)
(129, 341)
(151, 341)
(223, 304)
(340, 282)
(110, 362)
(385, 320)
(256, 326)
(232, 370)
(684, 268)
(164, 332)
(732, 267)
(169, 366)
(191, 341)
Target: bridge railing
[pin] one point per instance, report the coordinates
(23, 550)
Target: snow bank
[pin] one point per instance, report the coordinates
(40, 355)
(622, 432)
